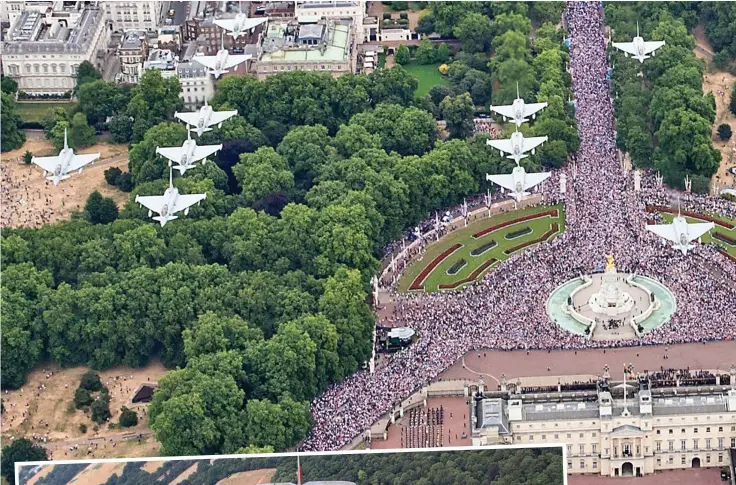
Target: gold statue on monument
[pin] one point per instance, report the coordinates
(610, 264)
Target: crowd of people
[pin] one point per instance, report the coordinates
(424, 428)
(506, 309)
(485, 125)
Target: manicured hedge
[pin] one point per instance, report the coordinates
(542, 238)
(457, 266)
(471, 277)
(732, 258)
(418, 283)
(723, 237)
(521, 232)
(482, 249)
(552, 213)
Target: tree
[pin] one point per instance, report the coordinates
(11, 135)
(27, 157)
(8, 85)
(121, 128)
(153, 101)
(425, 52)
(724, 132)
(128, 418)
(144, 163)
(99, 99)
(19, 450)
(101, 409)
(732, 105)
(81, 135)
(438, 93)
(425, 25)
(443, 53)
(458, 112)
(112, 175)
(82, 398)
(402, 55)
(86, 73)
(100, 210)
(473, 32)
(262, 173)
(52, 118)
(90, 381)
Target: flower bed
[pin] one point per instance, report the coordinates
(726, 239)
(418, 283)
(543, 238)
(471, 277)
(694, 215)
(482, 249)
(456, 266)
(501, 225)
(517, 234)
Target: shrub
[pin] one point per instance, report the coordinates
(128, 418)
(82, 428)
(27, 157)
(457, 266)
(404, 16)
(82, 398)
(100, 410)
(112, 175)
(724, 132)
(386, 15)
(443, 69)
(90, 381)
(125, 182)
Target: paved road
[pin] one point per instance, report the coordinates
(81, 442)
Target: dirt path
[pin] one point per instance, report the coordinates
(185, 474)
(253, 477)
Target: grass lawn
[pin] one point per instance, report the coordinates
(465, 237)
(708, 238)
(34, 111)
(428, 76)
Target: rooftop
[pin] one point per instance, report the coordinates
(31, 34)
(331, 42)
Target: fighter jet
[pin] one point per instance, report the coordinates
(517, 145)
(518, 182)
(66, 162)
(681, 232)
(204, 118)
(240, 25)
(187, 154)
(519, 111)
(170, 203)
(222, 61)
(638, 48)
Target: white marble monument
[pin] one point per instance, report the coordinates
(611, 300)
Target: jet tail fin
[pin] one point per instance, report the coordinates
(56, 180)
(164, 220)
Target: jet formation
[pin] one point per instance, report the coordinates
(221, 62)
(518, 182)
(61, 166)
(638, 48)
(205, 118)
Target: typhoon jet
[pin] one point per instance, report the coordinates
(518, 181)
(638, 49)
(681, 232)
(200, 121)
(63, 164)
(222, 61)
(240, 25)
(519, 111)
(517, 145)
(187, 154)
(170, 203)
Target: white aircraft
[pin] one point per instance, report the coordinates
(681, 232)
(519, 111)
(187, 154)
(61, 165)
(222, 61)
(170, 203)
(518, 181)
(517, 145)
(240, 25)
(204, 118)
(638, 48)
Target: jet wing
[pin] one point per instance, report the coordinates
(172, 153)
(233, 61)
(652, 46)
(694, 231)
(532, 179)
(207, 61)
(47, 163)
(533, 142)
(79, 161)
(530, 109)
(205, 151)
(229, 24)
(505, 181)
(184, 201)
(627, 47)
(151, 202)
(663, 230)
(503, 145)
(507, 111)
(189, 118)
(220, 116)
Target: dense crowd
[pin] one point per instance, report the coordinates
(506, 310)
